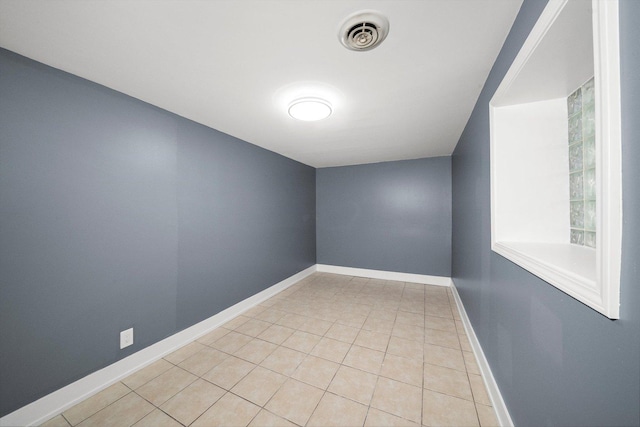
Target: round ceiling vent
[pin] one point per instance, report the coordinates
(363, 30)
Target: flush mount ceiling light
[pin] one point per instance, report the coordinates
(363, 30)
(309, 109)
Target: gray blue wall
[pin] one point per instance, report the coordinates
(116, 214)
(556, 361)
(392, 216)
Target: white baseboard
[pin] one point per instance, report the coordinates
(385, 275)
(60, 400)
(502, 413)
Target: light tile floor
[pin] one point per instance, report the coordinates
(329, 351)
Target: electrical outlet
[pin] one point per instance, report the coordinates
(126, 338)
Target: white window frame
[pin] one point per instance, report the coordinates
(534, 237)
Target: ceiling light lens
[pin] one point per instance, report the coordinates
(310, 109)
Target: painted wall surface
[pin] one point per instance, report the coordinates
(556, 361)
(392, 216)
(116, 214)
(246, 218)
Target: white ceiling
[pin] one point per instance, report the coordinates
(235, 65)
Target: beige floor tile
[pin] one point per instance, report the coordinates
(293, 321)
(407, 331)
(378, 418)
(437, 310)
(146, 374)
(479, 390)
(203, 361)
(276, 334)
(307, 332)
(124, 412)
(447, 381)
(398, 398)
(254, 311)
(419, 286)
(487, 416)
(236, 322)
(357, 308)
(442, 410)
(302, 341)
(373, 340)
(184, 352)
(255, 351)
(402, 369)
(228, 372)
(157, 418)
(354, 324)
(444, 356)
(396, 284)
(456, 313)
(470, 363)
(253, 327)
(331, 349)
(271, 315)
(437, 303)
(295, 401)
(229, 411)
(95, 403)
(191, 402)
(438, 299)
(270, 302)
(434, 290)
(364, 359)
(316, 326)
(337, 411)
(58, 421)
(378, 325)
(316, 371)
(283, 360)
(414, 291)
(353, 384)
(410, 318)
(391, 304)
(342, 333)
(165, 386)
(259, 385)
(441, 338)
(416, 296)
(464, 343)
(231, 342)
(352, 319)
(325, 315)
(213, 336)
(267, 419)
(406, 348)
(411, 288)
(439, 323)
(412, 307)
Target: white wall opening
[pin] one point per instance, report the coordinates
(572, 41)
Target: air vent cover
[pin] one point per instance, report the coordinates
(363, 30)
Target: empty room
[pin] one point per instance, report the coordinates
(319, 213)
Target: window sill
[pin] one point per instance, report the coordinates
(568, 267)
